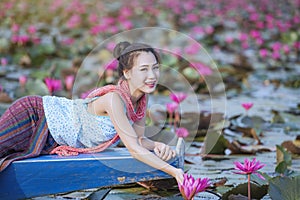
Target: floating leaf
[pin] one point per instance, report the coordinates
(215, 143)
(284, 188)
(257, 191)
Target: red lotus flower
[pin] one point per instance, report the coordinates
(69, 80)
(247, 106)
(22, 80)
(190, 187)
(178, 97)
(53, 85)
(182, 132)
(249, 167)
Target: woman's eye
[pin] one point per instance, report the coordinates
(156, 67)
(143, 69)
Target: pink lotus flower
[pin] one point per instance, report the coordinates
(22, 80)
(229, 39)
(31, 29)
(74, 21)
(93, 18)
(182, 132)
(4, 61)
(113, 65)
(15, 28)
(53, 85)
(171, 108)
(178, 97)
(68, 41)
(263, 53)
(248, 168)
(202, 69)
(192, 49)
(247, 106)
(243, 37)
(190, 187)
(69, 80)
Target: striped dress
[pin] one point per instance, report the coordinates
(23, 131)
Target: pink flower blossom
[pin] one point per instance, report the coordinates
(93, 18)
(202, 69)
(209, 30)
(86, 94)
(107, 20)
(286, 48)
(276, 55)
(110, 46)
(22, 80)
(171, 107)
(255, 34)
(229, 39)
(31, 29)
(190, 187)
(53, 85)
(126, 12)
(74, 21)
(263, 53)
(23, 39)
(247, 106)
(68, 41)
(95, 30)
(113, 65)
(4, 61)
(243, 37)
(69, 80)
(178, 97)
(254, 16)
(15, 28)
(249, 167)
(297, 45)
(182, 132)
(192, 49)
(191, 17)
(126, 24)
(276, 46)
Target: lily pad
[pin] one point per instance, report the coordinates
(284, 188)
(257, 191)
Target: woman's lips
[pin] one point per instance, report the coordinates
(151, 85)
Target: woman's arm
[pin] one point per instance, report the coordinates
(162, 150)
(115, 108)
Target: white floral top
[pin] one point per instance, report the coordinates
(71, 124)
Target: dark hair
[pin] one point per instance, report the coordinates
(126, 54)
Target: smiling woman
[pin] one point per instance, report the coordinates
(36, 125)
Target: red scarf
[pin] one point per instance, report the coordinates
(123, 90)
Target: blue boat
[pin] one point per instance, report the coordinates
(52, 174)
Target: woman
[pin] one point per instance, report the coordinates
(36, 125)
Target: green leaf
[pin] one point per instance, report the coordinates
(283, 155)
(215, 143)
(37, 87)
(284, 188)
(257, 191)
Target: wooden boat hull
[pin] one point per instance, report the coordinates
(51, 174)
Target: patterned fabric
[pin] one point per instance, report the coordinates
(23, 131)
(71, 124)
(123, 90)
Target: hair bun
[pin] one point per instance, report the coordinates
(119, 48)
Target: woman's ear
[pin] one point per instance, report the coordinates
(126, 74)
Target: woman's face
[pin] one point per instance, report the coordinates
(144, 75)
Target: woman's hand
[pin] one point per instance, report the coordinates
(163, 151)
(178, 175)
